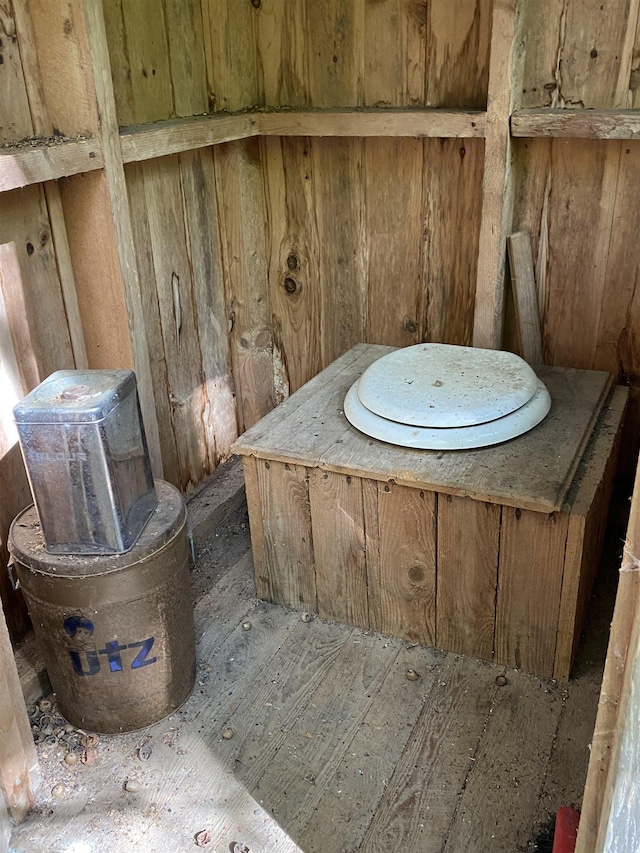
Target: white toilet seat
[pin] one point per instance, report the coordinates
(444, 397)
(442, 385)
(448, 438)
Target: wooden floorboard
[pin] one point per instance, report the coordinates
(334, 749)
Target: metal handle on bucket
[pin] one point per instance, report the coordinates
(15, 582)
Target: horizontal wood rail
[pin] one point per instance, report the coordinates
(145, 142)
(46, 160)
(579, 124)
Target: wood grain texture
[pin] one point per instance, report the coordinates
(341, 575)
(316, 433)
(16, 123)
(618, 668)
(295, 284)
(498, 177)
(40, 162)
(524, 728)
(288, 544)
(19, 774)
(584, 58)
(400, 528)
(282, 45)
(395, 35)
(337, 170)
(241, 209)
(122, 226)
(590, 500)
(231, 57)
(458, 41)
(529, 587)
(579, 124)
(525, 297)
(452, 227)
(204, 250)
(438, 758)
(393, 196)
(468, 540)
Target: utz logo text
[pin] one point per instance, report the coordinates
(87, 658)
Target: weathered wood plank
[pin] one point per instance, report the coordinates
(589, 501)
(231, 55)
(457, 62)
(19, 775)
(295, 284)
(241, 209)
(394, 53)
(452, 227)
(416, 809)
(40, 161)
(522, 727)
(282, 53)
(145, 142)
(316, 433)
(15, 122)
(349, 687)
(337, 170)
(335, 63)
(578, 124)
(341, 573)
(369, 758)
(286, 525)
(618, 667)
(204, 248)
(114, 172)
(150, 311)
(393, 195)
(373, 122)
(498, 178)
(468, 540)
(187, 64)
(532, 546)
(400, 526)
(178, 319)
(525, 297)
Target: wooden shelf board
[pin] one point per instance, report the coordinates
(26, 164)
(144, 142)
(579, 124)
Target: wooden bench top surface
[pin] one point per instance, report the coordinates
(533, 471)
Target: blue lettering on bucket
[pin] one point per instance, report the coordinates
(141, 658)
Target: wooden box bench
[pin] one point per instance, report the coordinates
(489, 553)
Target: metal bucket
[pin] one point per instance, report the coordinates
(117, 631)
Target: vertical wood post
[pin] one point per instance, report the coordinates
(19, 771)
(116, 183)
(498, 185)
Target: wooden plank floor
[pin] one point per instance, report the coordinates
(334, 749)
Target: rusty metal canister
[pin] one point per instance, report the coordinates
(116, 631)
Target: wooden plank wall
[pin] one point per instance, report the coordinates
(311, 244)
(579, 197)
(232, 273)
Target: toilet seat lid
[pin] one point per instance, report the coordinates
(442, 385)
(452, 438)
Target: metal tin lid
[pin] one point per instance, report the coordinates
(26, 542)
(75, 396)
